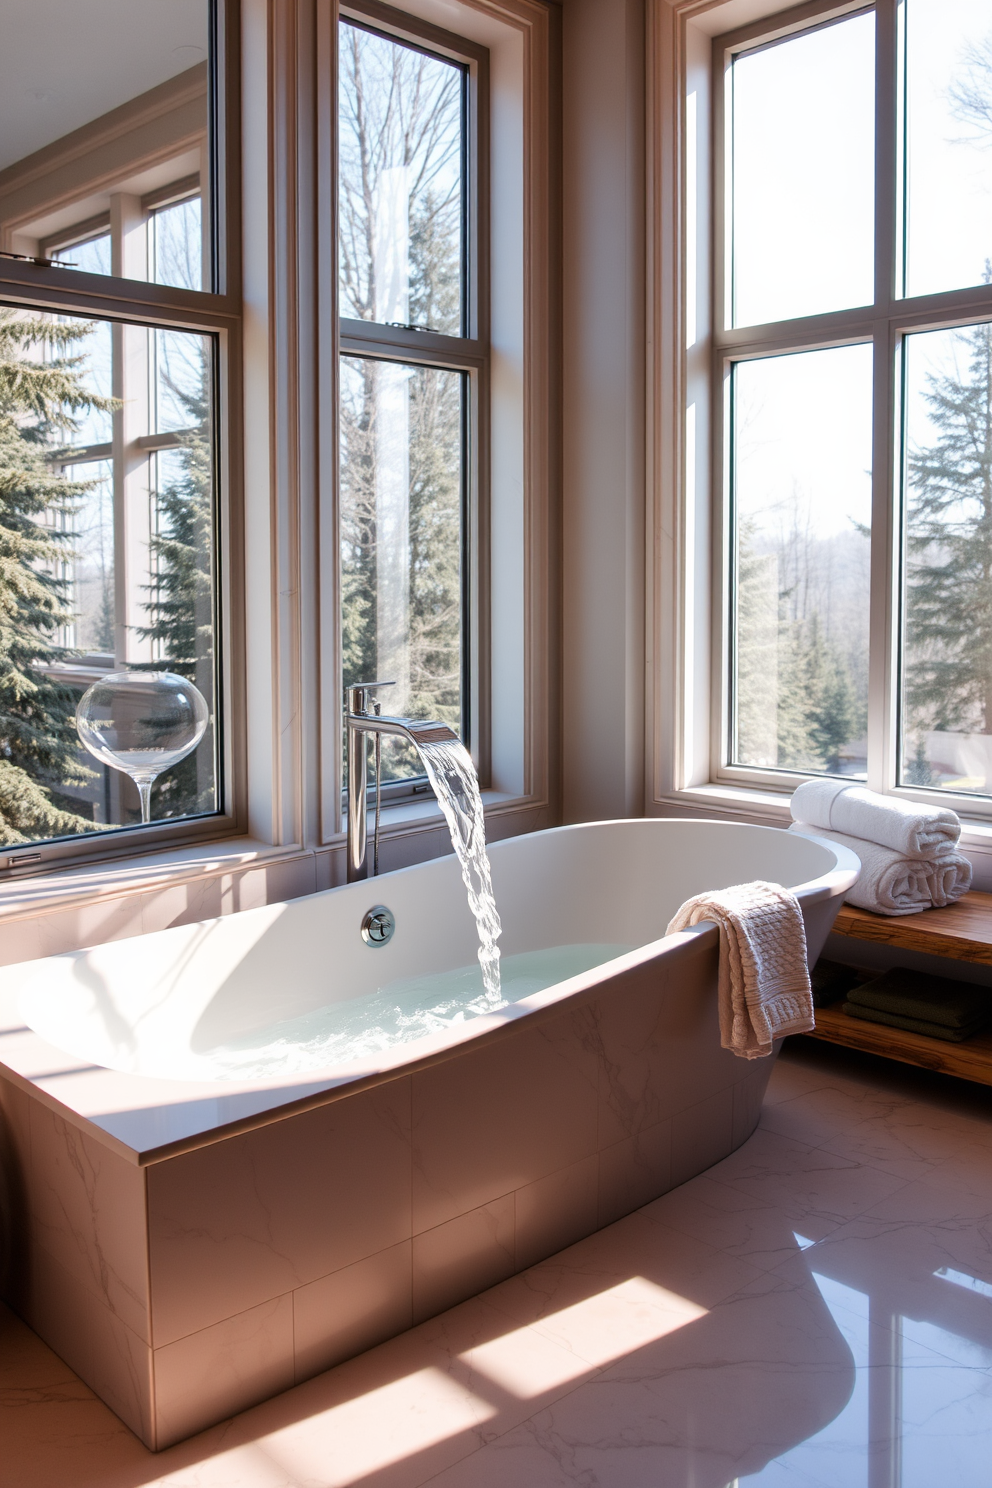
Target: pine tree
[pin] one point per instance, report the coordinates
(181, 591)
(42, 392)
(949, 543)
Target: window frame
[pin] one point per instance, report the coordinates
(215, 313)
(690, 753)
(468, 353)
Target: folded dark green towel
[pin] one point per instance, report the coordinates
(932, 999)
(831, 982)
(915, 1025)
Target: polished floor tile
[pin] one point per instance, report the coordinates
(813, 1312)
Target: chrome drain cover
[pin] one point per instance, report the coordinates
(378, 925)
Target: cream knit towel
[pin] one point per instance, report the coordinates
(764, 990)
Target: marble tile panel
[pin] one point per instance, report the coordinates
(88, 1211)
(702, 1134)
(660, 1039)
(709, 1402)
(165, 907)
(634, 1171)
(555, 1211)
(924, 1252)
(563, 1294)
(246, 1219)
(759, 1232)
(355, 1308)
(815, 1116)
(211, 1374)
(92, 1340)
(55, 1431)
(20, 940)
(503, 1116)
(463, 1256)
(777, 1170)
(943, 1148)
(749, 1095)
(15, 1166)
(89, 924)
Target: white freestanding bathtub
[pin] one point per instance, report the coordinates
(217, 1197)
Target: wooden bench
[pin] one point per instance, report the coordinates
(961, 932)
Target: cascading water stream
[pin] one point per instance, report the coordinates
(452, 774)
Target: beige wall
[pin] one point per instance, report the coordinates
(603, 457)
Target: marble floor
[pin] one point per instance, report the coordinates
(814, 1312)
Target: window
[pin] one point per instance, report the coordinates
(412, 296)
(116, 410)
(852, 373)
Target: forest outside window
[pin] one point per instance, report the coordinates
(414, 358)
(108, 427)
(853, 357)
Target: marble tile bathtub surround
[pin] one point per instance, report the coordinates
(242, 1221)
(733, 1330)
(331, 1229)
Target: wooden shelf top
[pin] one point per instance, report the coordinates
(962, 931)
(971, 1060)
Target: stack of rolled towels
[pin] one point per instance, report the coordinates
(909, 854)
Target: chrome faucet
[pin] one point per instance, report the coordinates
(360, 723)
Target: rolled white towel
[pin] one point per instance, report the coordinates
(893, 883)
(908, 829)
(763, 981)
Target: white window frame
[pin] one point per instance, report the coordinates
(467, 353)
(690, 43)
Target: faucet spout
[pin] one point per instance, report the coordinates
(360, 724)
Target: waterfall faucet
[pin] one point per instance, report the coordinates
(360, 722)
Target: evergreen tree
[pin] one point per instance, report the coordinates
(42, 392)
(949, 550)
(181, 593)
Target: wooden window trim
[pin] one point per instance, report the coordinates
(218, 315)
(686, 718)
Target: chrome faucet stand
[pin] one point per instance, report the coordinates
(361, 720)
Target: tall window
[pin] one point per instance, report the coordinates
(412, 301)
(111, 416)
(853, 336)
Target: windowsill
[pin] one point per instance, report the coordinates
(117, 877)
(425, 810)
(771, 809)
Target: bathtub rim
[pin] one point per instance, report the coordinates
(332, 1082)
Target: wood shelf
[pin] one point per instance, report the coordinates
(961, 932)
(971, 1060)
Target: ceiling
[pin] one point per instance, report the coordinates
(64, 62)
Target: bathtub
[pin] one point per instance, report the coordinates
(200, 1229)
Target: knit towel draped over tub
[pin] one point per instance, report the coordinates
(764, 990)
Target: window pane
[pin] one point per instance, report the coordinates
(93, 568)
(177, 380)
(89, 257)
(401, 540)
(175, 245)
(114, 92)
(948, 143)
(802, 504)
(110, 566)
(946, 703)
(802, 173)
(401, 184)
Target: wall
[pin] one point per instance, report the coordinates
(603, 456)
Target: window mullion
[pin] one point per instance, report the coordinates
(882, 669)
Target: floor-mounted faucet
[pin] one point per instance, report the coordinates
(360, 723)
